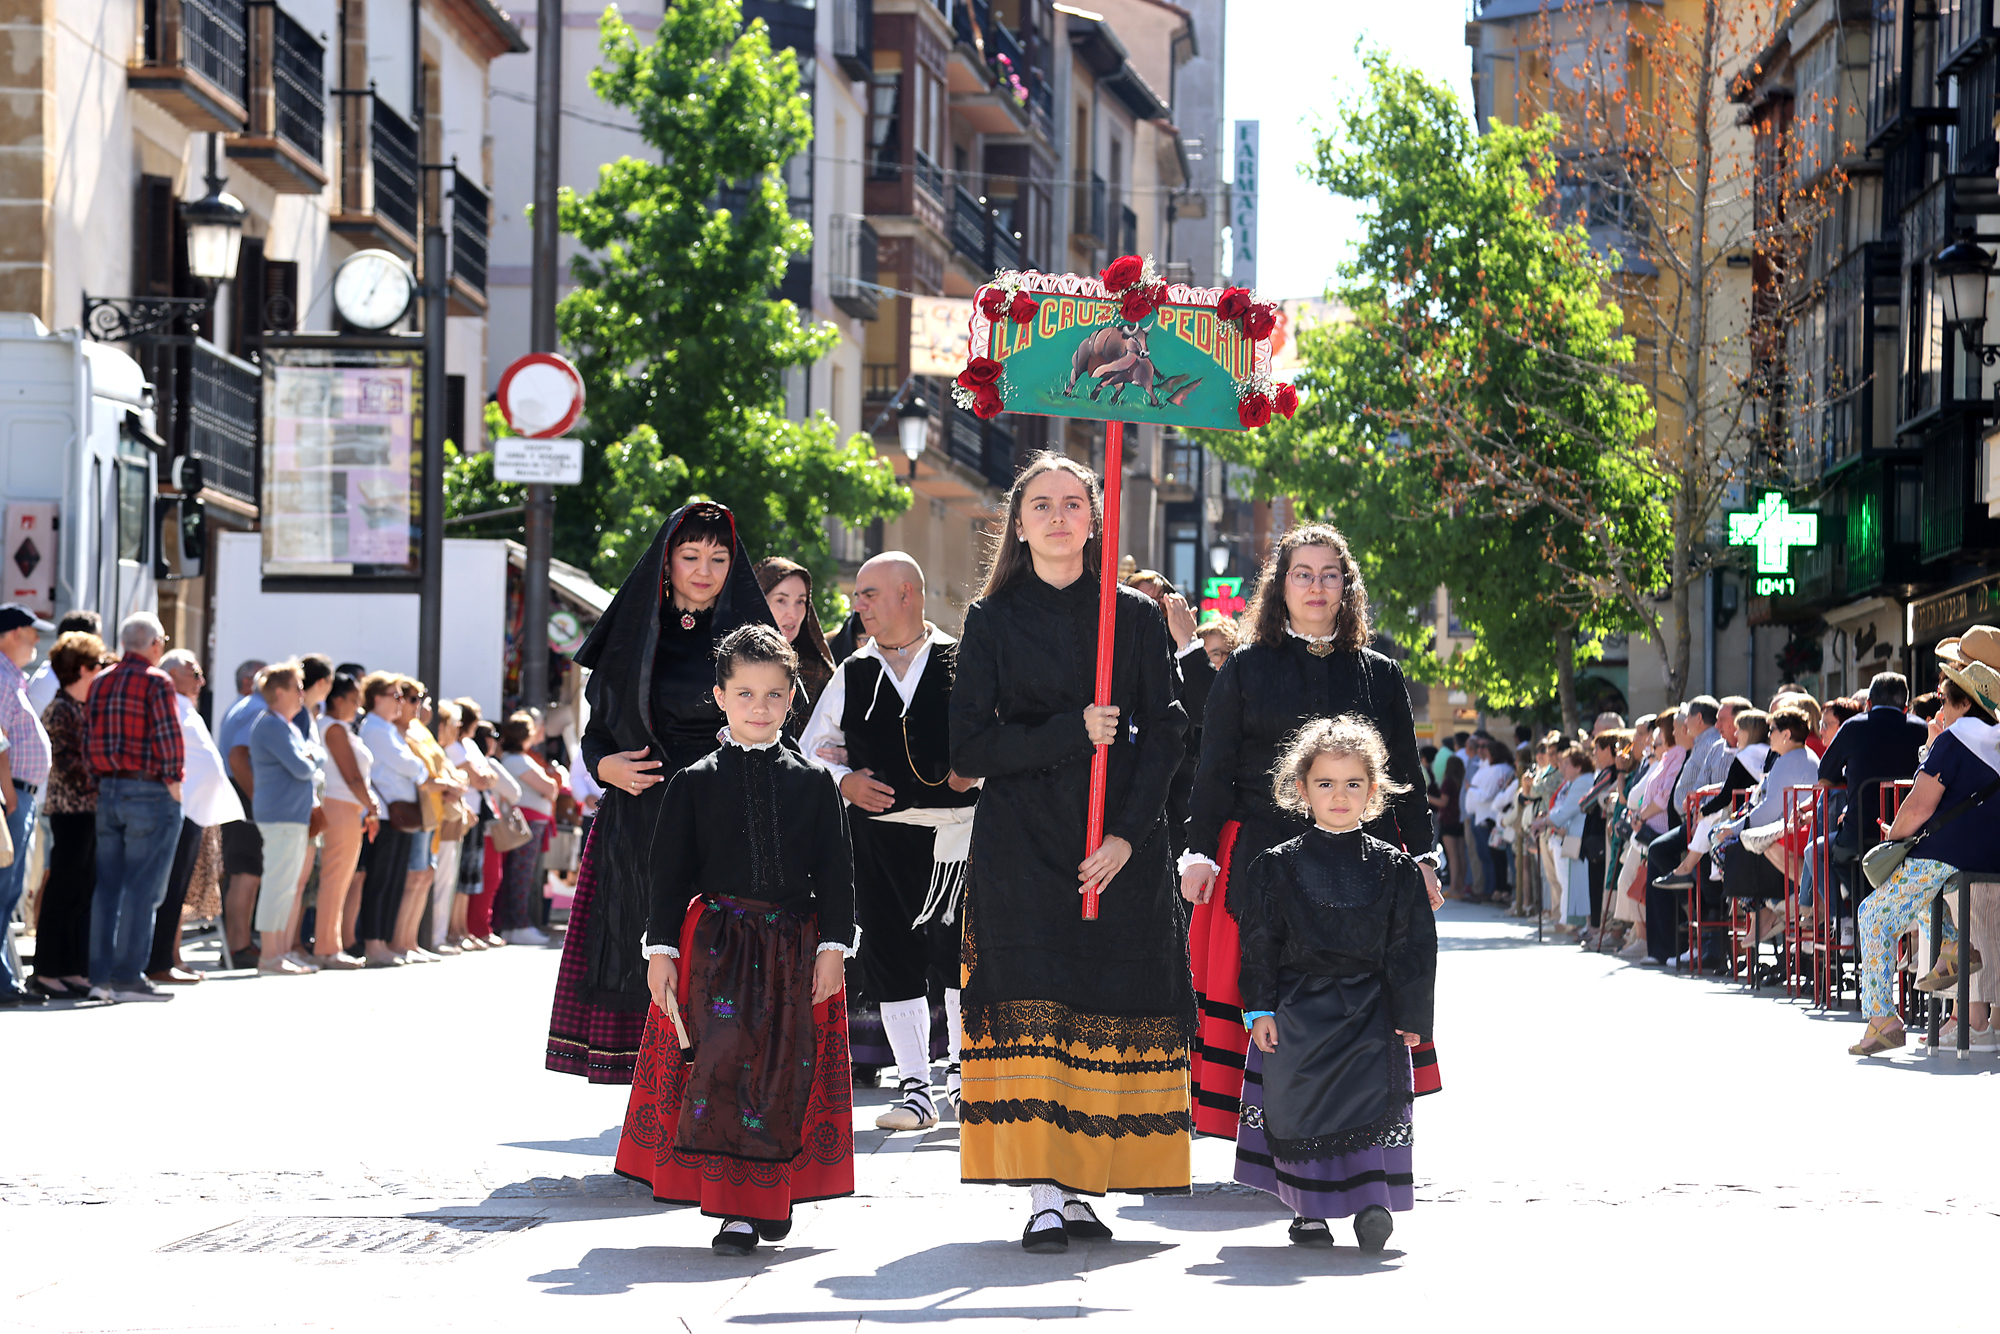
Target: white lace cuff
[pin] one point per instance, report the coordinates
(846, 951)
(1193, 858)
(667, 950)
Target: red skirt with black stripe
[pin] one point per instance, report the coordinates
(1215, 954)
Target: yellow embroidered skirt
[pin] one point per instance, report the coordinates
(1091, 1103)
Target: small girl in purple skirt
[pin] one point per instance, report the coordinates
(1339, 965)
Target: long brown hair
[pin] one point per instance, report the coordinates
(815, 658)
(1266, 616)
(1009, 559)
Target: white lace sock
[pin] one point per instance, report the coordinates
(738, 1226)
(1075, 1210)
(908, 1026)
(1044, 1197)
(954, 1028)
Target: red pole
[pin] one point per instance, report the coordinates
(1107, 618)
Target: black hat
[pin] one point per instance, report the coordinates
(13, 616)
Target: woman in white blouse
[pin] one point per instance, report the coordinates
(395, 772)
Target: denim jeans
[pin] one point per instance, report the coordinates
(138, 826)
(13, 880)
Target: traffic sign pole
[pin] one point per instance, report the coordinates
(541, 395)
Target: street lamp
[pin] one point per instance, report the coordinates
(1218, 557)
(1963, 269)
(214, 229)
(913, 428)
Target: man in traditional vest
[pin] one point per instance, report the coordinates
(888, 708)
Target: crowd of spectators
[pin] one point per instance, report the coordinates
(1607, 834)
(336, 819)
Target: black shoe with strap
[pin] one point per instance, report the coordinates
(1086, 1228)
(1310, 1232)
(1046, 1240)
(774, 1231)
(1372, 1228)
(734, 1243)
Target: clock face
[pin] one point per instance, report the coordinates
(372, 289)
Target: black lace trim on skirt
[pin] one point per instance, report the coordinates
(1007, 1110)
(1052, 1021)
(1391, 1130)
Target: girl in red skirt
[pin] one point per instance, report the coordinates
(741, 1102)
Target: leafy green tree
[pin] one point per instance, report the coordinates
(469, 487)
(674, 326)
(1472, 424)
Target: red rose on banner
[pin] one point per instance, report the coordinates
(1233, 304)
(986, 403)
(1123, 272)
(1023, 308)
(979, 372)
(1254, 411)
(1138, 304)
(992, 302)
(1259, 321)
(1285, 400)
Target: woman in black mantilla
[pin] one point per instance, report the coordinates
(788, 588)
(1076, 1033)
(652, 713)
(1307, 657)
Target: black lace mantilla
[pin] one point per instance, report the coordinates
(1008, 1110)
(1052, 1021)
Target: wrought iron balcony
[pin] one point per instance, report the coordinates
(195, 61)
(854, 37)
(929, 174)
(1006, 252)
(392, 153)
(285, 142)
(969, 226)
(471, 211)
(1965, 34)
(381, 183)
(852, 272)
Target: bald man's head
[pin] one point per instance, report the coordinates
(889, 595)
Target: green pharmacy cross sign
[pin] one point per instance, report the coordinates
(1773, 529)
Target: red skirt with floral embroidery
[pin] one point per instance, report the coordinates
(722, 1185)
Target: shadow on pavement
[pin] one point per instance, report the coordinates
(1226, 1209)
(1285, 1265)
(968, 1267)
(603, 1144)
(605, 1270)
(1446, 942)
(924, 1315)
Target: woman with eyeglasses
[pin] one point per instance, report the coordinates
(1306, 656)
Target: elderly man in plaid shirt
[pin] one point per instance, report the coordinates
(28, 752)
(136, 751)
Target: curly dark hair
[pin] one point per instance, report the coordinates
(1266, 616)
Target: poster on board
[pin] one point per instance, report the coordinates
(342, 463)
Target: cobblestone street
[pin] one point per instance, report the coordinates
(232, 1160)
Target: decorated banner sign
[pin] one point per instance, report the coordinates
(1124, 345)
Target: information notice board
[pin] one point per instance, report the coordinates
(343, 462)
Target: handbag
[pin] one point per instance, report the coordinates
(1879, 863)
(406, 817)
(510, 828)
(1571, 847)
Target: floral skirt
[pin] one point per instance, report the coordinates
(743, 1125)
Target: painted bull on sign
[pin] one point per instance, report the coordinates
(1117, 355)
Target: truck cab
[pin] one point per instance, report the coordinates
(79, 470)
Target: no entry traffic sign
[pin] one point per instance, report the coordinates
(541, 395)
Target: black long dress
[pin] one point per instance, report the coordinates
(650, 689)
(1076, 1033)
(1261, 696)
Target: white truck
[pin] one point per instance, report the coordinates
(78, 474)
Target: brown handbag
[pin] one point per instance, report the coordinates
(406, 817)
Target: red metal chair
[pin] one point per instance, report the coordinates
(1805, 937)
(1734, 923)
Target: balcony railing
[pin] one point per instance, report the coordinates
(196, 61)
(299, 86)
(1973, 148)
(223, 417)
(854, 37)
(1006, 253)
(929, 174)
(393, 157)
(470, 211)
(853, 271)
(1965, 32)
(1944, 494)
(880, 380)
(968, 226)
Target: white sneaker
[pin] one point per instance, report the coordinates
(1635, 951)
(1985, 1039)
(525, 935)
(1683, 960)
(101, 994)
(142, 990)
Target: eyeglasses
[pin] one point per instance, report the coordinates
(1307, 579)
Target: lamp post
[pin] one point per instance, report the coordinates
(913, 428)
(214, 229)
(214, 240)
(1218, 557)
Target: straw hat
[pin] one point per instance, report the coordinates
(1978, 680)
(1979, 644)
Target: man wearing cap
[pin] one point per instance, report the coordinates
(20, 633)
(134, 747)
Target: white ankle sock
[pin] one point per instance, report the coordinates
(908, 1026)
(1075, 1210)
(1044, 1197)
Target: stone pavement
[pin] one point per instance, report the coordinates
(383, 1151)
